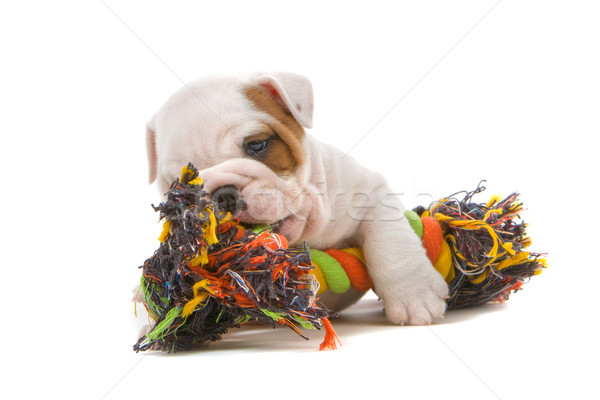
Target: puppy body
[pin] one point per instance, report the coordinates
(312, 190)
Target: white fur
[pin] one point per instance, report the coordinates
(329, 201)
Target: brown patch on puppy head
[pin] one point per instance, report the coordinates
(285, 152)
(277, 155)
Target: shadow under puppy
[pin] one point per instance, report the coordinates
(246, 136)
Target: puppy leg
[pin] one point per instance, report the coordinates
(412, 290)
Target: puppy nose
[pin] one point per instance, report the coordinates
(228, 198)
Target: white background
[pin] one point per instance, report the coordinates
(427, 92)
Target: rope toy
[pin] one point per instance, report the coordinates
(211, 274)
(478, 248)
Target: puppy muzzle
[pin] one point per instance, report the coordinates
(228, 198)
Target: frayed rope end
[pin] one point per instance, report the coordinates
(329, 342)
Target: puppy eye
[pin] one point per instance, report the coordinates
(256, 147)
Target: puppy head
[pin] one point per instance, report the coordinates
(245, 135)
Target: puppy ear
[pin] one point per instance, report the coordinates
(151, 151)
(292, 91)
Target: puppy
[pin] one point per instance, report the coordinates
(246, 136)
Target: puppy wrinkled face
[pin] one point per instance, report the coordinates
(271, 154)
(242, 137)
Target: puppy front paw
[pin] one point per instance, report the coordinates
(418, 299)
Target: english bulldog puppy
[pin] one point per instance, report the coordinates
(246, 135)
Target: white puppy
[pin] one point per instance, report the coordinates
(245, 134)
